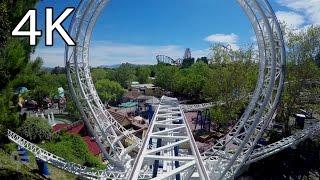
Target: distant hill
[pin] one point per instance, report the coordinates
(114, 66)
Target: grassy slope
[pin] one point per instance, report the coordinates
(9, 167)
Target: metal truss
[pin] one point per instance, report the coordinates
(203, 106)
(223, 50)
(241, 140)
(229, 52)
(168, 60)
(169, 150)
(198, 107)
(260, 153)
(89, 173)
(104, 127)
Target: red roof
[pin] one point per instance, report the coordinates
(92, 145)
(58, 127)
(76, 129)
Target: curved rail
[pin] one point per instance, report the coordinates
(168, 60)
(244, 136)
(104, 127)
(203, 106)
(89, 173)
(265, 151)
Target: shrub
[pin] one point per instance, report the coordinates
(35, 129)
(73, 149)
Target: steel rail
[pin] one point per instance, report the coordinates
(249, 130)
(104, 126)
(167, 117)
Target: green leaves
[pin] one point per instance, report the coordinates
(143, 74)
(13, 59)
(304, 45)
(125, 74)
(224, 81)
(98, 74)
(35, 129)
(109, 90)
(167, 77)
(73, 149)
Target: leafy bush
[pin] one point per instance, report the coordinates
(35, 129)
(9, 148)
(73, 149)
(109, 90)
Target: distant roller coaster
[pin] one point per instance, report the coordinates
(169, 150)
(168, 60)
(220, 51)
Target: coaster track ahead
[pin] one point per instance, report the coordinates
(175, 146)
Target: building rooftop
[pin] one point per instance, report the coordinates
(138, 86)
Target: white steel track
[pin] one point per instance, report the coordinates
(104, 126)
(169, 126)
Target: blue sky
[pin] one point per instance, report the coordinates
(136, 31)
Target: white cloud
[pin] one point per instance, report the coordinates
(309, 8)
(108, 53)
(292, 19)
(230, 39)
(52, 56)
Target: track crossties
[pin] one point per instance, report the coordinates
(169, 148)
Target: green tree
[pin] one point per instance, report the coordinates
(73, 149)
(187, 62)
(193, 79)
(35, 129)
(303, 49)
(298, 79)
(203, 59)
(125, 74)
(14, 56)
(98, 74)
(219, 54)
(167, 77)
(109, 91)
(13, 60)
(143, 74)
(304, 45)
(11, 13)
(5, 23)
(229, 83)
(219, 115)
